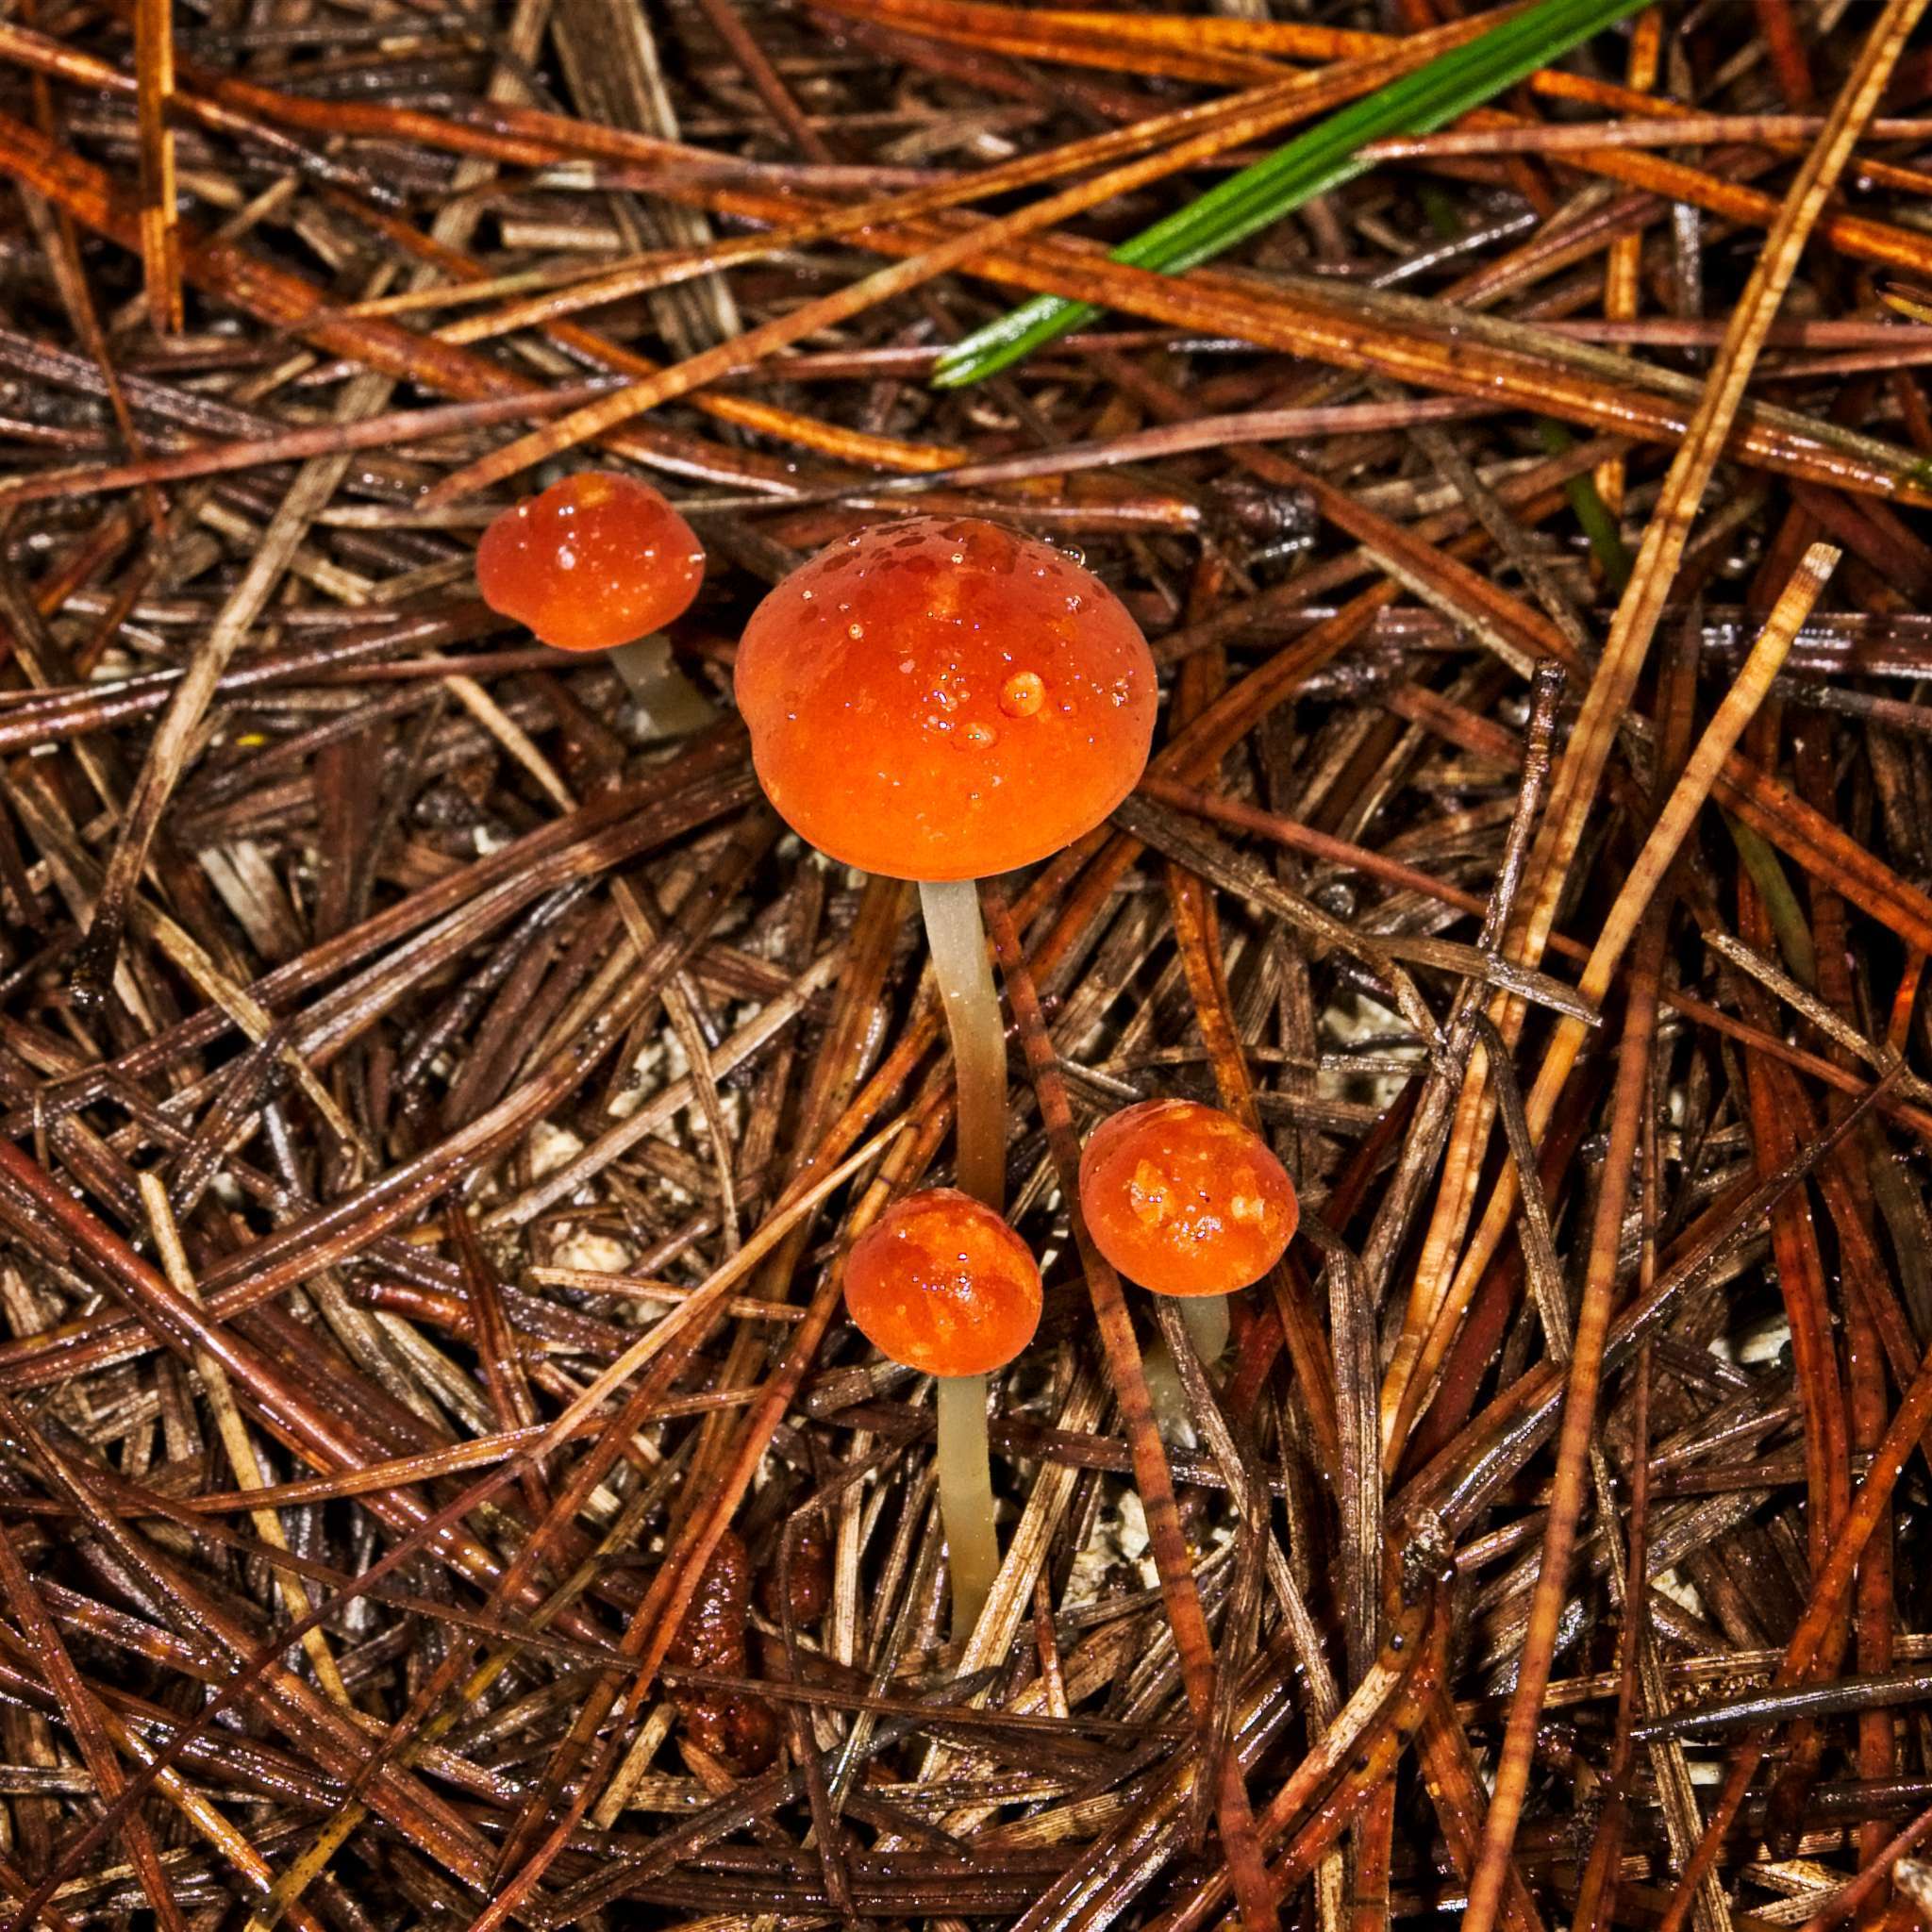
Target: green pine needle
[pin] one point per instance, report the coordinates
(1321, 158)
(1591, 510)
(1788, 922)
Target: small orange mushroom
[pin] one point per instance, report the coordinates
(943, 700)
(941, 1284)
(1188, 1202)
(599, 562)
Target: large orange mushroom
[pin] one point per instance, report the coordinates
(601, 562)
(1188, 1202)
(943, 700)
(941, 1283)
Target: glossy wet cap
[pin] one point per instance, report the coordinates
(944, 699)
(595, 561)
(1184, 1199)
(941, 1283)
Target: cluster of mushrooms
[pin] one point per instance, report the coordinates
(942, 701)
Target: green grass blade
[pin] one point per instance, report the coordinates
(1321, 158)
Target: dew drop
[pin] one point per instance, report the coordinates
(1022, 695)
(979, 737)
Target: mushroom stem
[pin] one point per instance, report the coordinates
(1204, 1316)
(957, 938)
(1167, 1394)
(1207, 1318)
(965, 1485)
(672, 704)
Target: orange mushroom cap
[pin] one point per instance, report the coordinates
(1184, 1199)
(941, 1283)
(943, 699)
(594, 561)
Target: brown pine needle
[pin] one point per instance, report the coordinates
(160, 241)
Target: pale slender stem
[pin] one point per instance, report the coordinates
(965, 1484)
(1207, 1318)
(957, 938)
(672, 704)
(1167, 1393)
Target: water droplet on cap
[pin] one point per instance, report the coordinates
(1022, 695)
